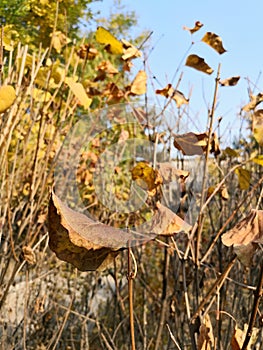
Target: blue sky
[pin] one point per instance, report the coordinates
(238, 23)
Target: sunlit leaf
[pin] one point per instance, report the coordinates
(176, 95)
(254, 101)
(79, 91)
(130, 51)
(170, 174)
(258, 126)
(243, 178)
(139, 84)
(7, 97)
(113, 45)
(59, 40)
(258, 160)
(198, 25)
(198, 63)
(107, 67)
(165, 222)
(229, 81)
(214, 41)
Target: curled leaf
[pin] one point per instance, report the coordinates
(79, 91)
(79, 240)
(139, 84)
(7, 97)
(198, 25)
(254, 101)
(176, 95)
(239, 335)
(113, 45)
(230, 81)
(130, 51)
(198, 63)
(170, 174)
(214, 41)
(196, 144)
(29, 255)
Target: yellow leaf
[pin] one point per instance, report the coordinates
(230, 152)
(198, 25)
(40, 95)
(79, 91)
(7, 97)
(103, 36)
(146, 177)
(258, 160)
(198, 63)
(139, 84)
(258, 126)
(243, 178)
(214, 41)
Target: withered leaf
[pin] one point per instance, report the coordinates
(229, 81)
(245, 236)
(206, 337)
(214, 41)
(130, 51)
(239, 335)
(79, 240)
(257, 126)
(198, 25)
(230, 152)
(176, 95)
(254, 101)
(170, 174)
(166, 223)
(29, 255)
(198, 63)
(196, 144)
(139, 84)
(107, 67)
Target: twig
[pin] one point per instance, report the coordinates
(257, 297)
(130, 277)
(172, 337)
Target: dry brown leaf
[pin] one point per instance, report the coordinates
(229, 81)
(86, 244)
(170, 174)
(198, 63)
(139, 84)
(214, 41)
(166, 223)
(239, 335)
(113, 93)
(107, 67)
(176, 95)
(196, 144)
(248, 230)
(245, 236)
(130, 51)
(254, 101)
(198, 25)
(258, 126)
(206, 337)
(29, 255)
(87, 52)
